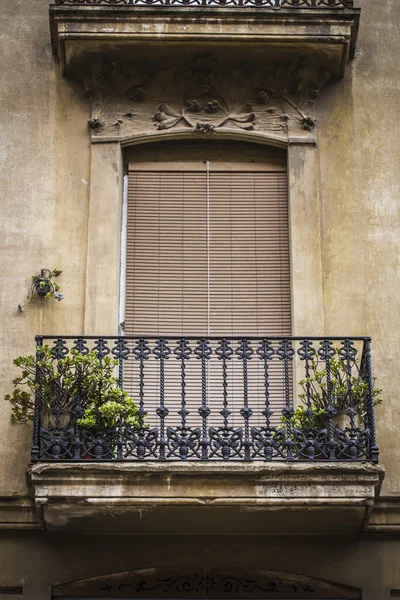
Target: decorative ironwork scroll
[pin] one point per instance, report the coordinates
(274, 4)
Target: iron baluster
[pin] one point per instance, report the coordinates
(35, 453)
(266, 353)
(307, 353)
(183, 352)
(141, 353)
(224, 352)
(121, 353)
(162, 352)
(285, 353)
(203, 352)
(326, 352)
(225, 441)
(58, 352)
(348, 354)
(80, 348)
(245, 352)
(99, 444)
(374, 450)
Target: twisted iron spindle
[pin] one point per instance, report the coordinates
(81, 348)
(326, 352)
(285, 353)
(266, 353)
(35, 452)
(183, 352)
(141, 353)
(162, 352)
(224, 352)
(203, 352)
(102, 350)
(245, 352)
(374, 450)
(59, 351)
(348, 354)
(121, 353)
(307, 354)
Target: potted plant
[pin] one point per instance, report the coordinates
(44, 286)
(315, 394)
(77, 389)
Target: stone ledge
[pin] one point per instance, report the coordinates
(385, 517)
(205, 497)
(17, 512)
(326, 37)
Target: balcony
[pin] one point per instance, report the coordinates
(204, 425)
(263, 32)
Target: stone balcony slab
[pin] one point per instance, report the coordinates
(217, 497)
(325, 38)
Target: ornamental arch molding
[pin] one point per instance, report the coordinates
(205, 583)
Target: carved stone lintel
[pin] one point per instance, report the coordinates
(203, 98)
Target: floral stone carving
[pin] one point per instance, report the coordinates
(112, 89)
(200, 97)
(214, 114)
(291, 92)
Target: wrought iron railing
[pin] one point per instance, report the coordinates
(274, 4)
(205, 399)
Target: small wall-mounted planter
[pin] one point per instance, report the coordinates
(44, 286)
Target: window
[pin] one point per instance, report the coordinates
(208, 255)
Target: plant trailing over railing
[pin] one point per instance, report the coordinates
(346, 393)
(216, 398)
(77, 388)
(44, 286)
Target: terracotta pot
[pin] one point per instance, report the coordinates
(48, 418)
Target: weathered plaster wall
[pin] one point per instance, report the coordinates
(370, 565)
(45, 183)
(359, 154)
(44, 177)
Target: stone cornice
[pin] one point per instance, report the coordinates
(328, 36)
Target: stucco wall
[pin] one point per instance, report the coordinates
(45, 180)
(359, 152)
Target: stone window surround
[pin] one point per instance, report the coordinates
(105, 217)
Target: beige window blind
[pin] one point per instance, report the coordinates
(208, 254)
(216, 265)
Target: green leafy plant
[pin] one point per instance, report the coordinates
(75, 377)
(44, 286)
(315, 387)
